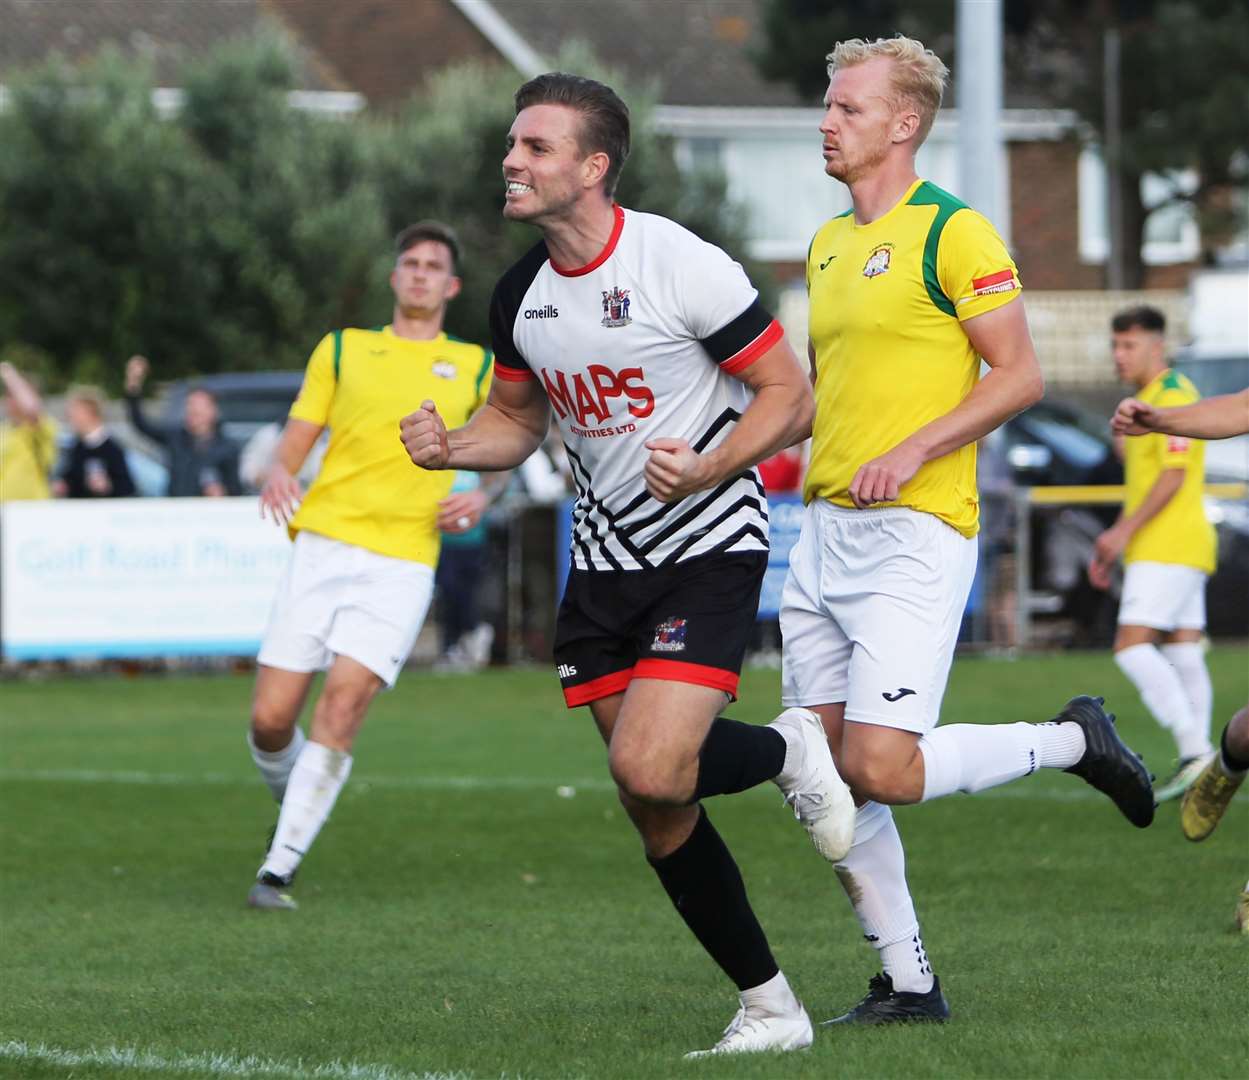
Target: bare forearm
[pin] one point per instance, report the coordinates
(778, 417)
(1001, 394)
(298, 439)
(495, 439)
(1215, 418)
(25, 398)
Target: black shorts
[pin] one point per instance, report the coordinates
(689, 622)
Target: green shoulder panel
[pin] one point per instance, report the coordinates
(1173, 380)
(928, 194)
(338, 353)
(487, 358)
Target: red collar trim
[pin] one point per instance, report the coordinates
(603, 255)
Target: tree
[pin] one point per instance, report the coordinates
(1184, 82)
(233, 234)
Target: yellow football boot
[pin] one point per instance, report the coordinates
(1207, 798)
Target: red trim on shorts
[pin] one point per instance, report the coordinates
(510, 374)
(743, 358)
(603, 255)
(679, 671)
(604, 686)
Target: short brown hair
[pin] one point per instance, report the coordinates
(1143, 315)
(604, 117)
(429, 230)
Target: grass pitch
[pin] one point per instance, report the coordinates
(466, 913)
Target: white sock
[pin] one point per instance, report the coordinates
(873, 874)
(972, 757)
(773, 998)
(1160, 688)
(275, 766)
(1189, 660)
(315, 781)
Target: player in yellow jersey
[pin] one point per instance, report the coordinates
(1168, 549)
(908, 289)
(367, 536)
(1205, 801)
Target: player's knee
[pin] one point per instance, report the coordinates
(272, 724)
(645, 781)
(340, 713)
(874, 778)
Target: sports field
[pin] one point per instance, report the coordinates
(478, 905)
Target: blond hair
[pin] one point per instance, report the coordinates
(91, 396)
(918, 75)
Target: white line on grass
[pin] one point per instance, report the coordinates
(1073, 793)
(132, 1058)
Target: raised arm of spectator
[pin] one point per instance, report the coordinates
(25, 398)
(137, 369)
(282, 492)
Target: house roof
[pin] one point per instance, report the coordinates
(698, 50)
(169, 34)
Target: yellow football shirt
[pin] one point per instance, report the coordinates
(27, 453)
(887, 302)
(361, 383)
(1180, 532)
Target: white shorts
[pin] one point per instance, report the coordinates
(1164, 596)
(871, 612)
(338, 599)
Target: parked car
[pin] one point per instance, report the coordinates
(247, 400)
(1059, 443)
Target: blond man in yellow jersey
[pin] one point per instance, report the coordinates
(366, 540)
(1168, 549)
(909, 290)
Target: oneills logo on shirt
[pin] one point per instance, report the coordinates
(878, 261)
(1002, 281)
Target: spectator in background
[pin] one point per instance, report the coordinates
(95, 465)
(466, 639)
(257, 454)
(27, 439)
(202, 461)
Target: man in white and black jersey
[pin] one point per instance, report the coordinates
(668, 381)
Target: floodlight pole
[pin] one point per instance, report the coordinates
(978, 96)
(1115, 274)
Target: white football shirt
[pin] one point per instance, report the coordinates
(642, 343)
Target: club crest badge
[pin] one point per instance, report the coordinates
(616, 307)
(444, 369)
(669, 636)
(878, 261)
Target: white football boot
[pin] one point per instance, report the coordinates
(811, 785)
(755, 1031)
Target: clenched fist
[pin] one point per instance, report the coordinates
(1134, 417)
(674, 470)
(424, 437)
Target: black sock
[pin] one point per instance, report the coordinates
(736, 757)
(1229, 759)
(704, 884)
